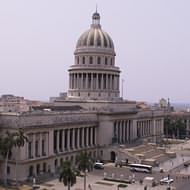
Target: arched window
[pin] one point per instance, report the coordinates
(83, 60)
(91, 60)
(106, 60)
(99, 60)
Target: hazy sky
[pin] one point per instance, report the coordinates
(151, 37)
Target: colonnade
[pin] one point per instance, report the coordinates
(38, 144)
(149, 127)
(144, 128)
(74, 138)
(96, 81)
(159, 123)
(123, 131)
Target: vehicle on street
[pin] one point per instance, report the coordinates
(166, 180)
(140, 168)
(98, 165)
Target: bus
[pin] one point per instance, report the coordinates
(140, 168)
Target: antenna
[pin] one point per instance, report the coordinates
(96, 7)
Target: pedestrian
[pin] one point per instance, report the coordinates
(89, 186)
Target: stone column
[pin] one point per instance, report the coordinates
(102, 81)
(130, 131)
(83, 137)
(96, 81)
(111, 82)
(114, 83)
(118, 129)
(68, 139)
(87, 133)
(91, 137)
(118, 82)
(86, 80)
(69, 80)
(115, 79)
(121, 129)
(57, 141)
(33, 145)
(74, 84)
(124, 131)
(78, 80)
(95, 135)
(40, 144)
(91, 75)
(46, 143)
(70, 75)
(107, 82)
(78, 138)
(82, 85)
(63, 140)
(73, 141)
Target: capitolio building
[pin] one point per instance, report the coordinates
(91, 116)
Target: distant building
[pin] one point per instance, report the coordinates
(11, 103)
(163, 103)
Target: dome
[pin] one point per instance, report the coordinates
(95, 36)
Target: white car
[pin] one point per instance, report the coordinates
(165, 180)
(98, 165)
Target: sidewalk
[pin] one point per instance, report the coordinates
(96, 183)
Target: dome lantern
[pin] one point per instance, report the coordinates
(96, 19)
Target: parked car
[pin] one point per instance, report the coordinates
(98, 165)
(166, 180)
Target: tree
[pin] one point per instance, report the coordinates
(8, 140)
(20, 140)
(84, 163)
(7, 143)
(67, 174)
(174, 127)
(180, 128)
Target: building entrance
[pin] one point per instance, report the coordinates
(113, 156)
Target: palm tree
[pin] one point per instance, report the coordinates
(20, 140)
(7, 143)
(67, 174)
(84, 163)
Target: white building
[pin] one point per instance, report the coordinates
(93, 117)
